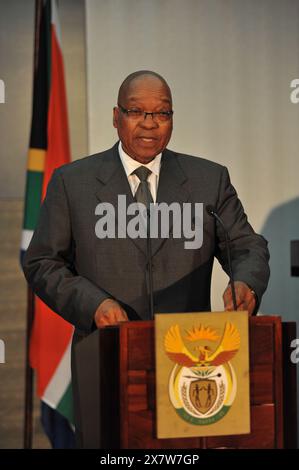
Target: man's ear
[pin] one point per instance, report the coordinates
(115, 116)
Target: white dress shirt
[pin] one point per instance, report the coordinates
(130, 165)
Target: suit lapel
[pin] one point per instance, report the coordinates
(112, 181)
(171, 189)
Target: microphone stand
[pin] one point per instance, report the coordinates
(214, 214)
(149, 256)
(150, 267)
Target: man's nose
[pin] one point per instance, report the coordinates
(149, 122)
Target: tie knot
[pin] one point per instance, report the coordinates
(143, 173)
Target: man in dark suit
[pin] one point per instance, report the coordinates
(95, 282)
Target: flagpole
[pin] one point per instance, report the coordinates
(28, 375)
(28, 405)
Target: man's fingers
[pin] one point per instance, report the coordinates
(245, 298)
(251, 306)
(109, 312)
(230, 306)
(115, 315)
(103, 322)
(121, 315)
(228, 299)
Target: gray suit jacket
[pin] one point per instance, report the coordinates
(73, 271)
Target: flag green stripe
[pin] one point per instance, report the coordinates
(34, 185)
(65, 406)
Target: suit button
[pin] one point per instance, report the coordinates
(147, 267)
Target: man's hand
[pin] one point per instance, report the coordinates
(109, 312)
(245, 297)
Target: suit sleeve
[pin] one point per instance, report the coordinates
(48, 263)
(249, 250)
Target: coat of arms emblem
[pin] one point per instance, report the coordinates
(202, 385)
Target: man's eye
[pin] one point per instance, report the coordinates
(163, 115)
(135, 112)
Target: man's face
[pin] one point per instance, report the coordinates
(143, 139)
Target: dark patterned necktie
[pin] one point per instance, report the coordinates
(143, 193)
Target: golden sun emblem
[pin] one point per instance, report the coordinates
(178, 353)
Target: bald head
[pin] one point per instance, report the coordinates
(136, 77)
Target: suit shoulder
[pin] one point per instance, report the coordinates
(191, 163)
(83, 165)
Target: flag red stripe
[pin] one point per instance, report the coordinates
(51, 334)
(58, 152)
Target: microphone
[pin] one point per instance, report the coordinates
(211, 211)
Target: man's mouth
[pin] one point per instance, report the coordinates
(147, 139)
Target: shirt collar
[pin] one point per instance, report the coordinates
(130, 165)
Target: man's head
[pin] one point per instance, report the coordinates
(143, 138)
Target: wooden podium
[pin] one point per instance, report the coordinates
(116, 382)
